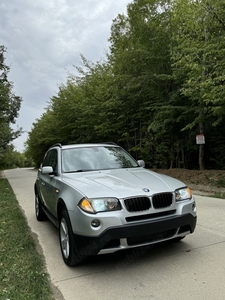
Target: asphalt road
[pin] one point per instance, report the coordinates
(191, 269)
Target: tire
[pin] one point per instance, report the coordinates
(40, 214)
(67, 243)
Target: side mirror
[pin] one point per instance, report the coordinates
(141, 163)
(47, 170)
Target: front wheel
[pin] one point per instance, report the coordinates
(67, 244)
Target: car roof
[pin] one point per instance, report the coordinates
(84, 145)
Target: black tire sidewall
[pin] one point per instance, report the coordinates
(40, 215)
(73, 258)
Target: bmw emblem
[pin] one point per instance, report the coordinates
(145, 190)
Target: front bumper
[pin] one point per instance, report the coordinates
(134, 235)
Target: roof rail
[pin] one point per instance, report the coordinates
(57, 145)
(110, 143)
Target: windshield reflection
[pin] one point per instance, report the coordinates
(96, 158)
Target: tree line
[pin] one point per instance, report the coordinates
(9, 110)
(161, 83)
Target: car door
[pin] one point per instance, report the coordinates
(48, 182)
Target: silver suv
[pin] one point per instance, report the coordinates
(103, 200)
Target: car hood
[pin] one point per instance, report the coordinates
(121, 183)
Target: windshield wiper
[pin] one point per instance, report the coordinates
(83, 170)
(77, 171)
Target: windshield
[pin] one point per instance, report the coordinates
(95, 158)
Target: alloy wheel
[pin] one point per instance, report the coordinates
(64, 238)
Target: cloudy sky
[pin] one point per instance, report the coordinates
(44, 40)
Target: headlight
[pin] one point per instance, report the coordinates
(183, 194)
(98, 205)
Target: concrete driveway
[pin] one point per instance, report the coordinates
(191, 269)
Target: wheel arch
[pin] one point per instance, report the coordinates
(60, 207)
(35, 188)
(37, 192)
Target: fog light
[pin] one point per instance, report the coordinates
(95, 223)
(193, 207)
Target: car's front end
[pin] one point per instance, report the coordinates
(134, 214)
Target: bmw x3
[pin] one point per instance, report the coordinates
(102, 200)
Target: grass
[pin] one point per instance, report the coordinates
(22, 269)
(218, 182)
(220, 195)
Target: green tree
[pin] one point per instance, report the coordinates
(140, 56)
(11, 159)
(44, 133)
(161, 84)
(9, 105)
(198, 58)
(100, 107)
